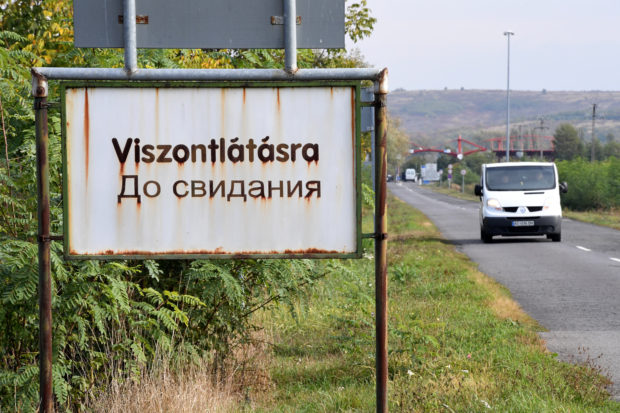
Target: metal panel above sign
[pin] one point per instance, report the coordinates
(203, 172)
(213, 24)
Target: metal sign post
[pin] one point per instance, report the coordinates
(39, 91)
(381, 299)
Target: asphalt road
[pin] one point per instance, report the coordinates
(572, 288)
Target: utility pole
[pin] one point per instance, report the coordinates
(593, 137)
(520, 138)
(542, 128)
(508, 34)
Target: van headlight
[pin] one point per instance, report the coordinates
(547, 205)
(494, 203)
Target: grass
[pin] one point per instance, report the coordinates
(195, 388)
(607, 218)
(455, 191)
(457, 342)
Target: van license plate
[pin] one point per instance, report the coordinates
(522, 223)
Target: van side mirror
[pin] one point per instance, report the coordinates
(563, 187)
(478, 190)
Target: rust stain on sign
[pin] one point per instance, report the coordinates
(218, 251)
(156, 117)
(86, 133)
(353, 132)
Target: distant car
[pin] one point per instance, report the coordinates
(390, 178)
(411, 175)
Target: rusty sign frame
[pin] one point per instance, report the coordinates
(131, 72)
(355, 85)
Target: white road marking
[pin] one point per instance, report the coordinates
(614, 259)
(583, 248)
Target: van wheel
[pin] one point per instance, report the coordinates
(485, 236)
(555, 237)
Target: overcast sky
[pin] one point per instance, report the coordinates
(558, 44)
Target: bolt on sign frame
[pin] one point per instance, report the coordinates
(165, 77)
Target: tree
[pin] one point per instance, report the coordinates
(566, 142)
(611, 148)
(475, 160)
(397, 145)
(599, 154)
(359, 23)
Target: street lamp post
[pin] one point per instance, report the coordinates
(508, 34)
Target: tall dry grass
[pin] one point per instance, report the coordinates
(204, 387)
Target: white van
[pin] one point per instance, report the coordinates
(410, 175)
(520, 198)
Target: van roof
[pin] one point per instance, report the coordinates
(509, 164)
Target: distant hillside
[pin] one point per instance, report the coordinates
(436, 116)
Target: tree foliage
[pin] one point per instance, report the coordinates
(591, 185)
(397, 145)
(114, 317)
(566, 142)
(359, 22)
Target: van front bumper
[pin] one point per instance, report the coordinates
(512, 226)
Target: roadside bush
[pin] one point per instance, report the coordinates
(591, 185)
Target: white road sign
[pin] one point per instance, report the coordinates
(210, 171)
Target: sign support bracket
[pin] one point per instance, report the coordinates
(129, 36)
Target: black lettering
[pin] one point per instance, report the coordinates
(266, 147)
(231, 193)
(282, 152)
(179, 158)
(199, 186)
(146, 187)
(272, 189)
(235, 147)
(147, 151)
(174, 189)
(222, 150)
(212, 147)
(213, 191)
(122, 155)
(257, 189)
(163, 155)
(317, 188)
(123, 188)
(315, 152)
(294, 148)
(136, 150)
(251, 146)
(291, 191)
(203, 153)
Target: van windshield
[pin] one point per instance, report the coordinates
(520, 178)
